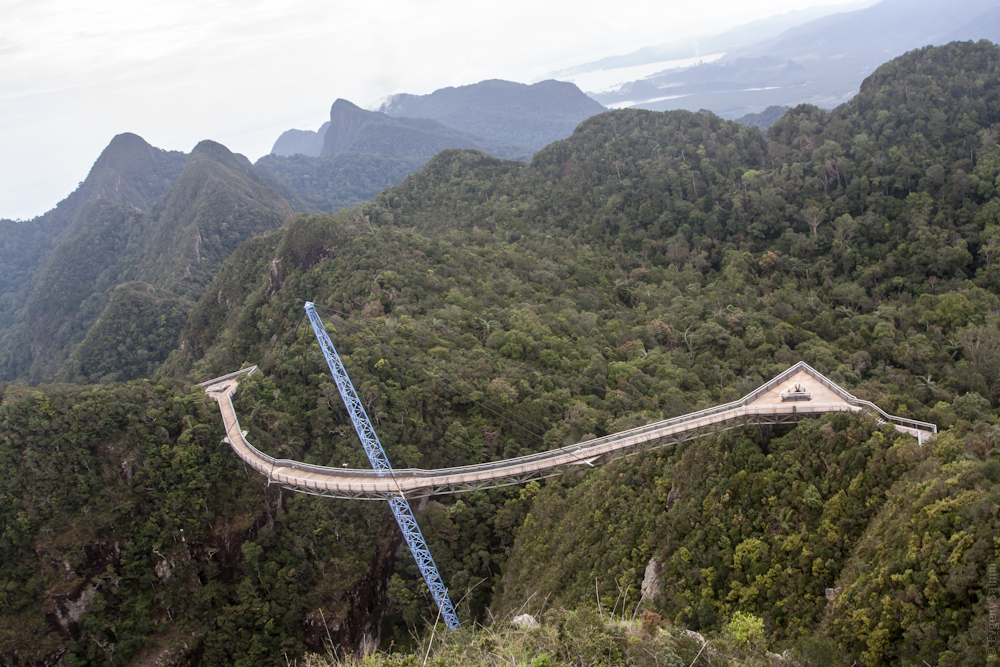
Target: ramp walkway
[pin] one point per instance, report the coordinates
(798, 392)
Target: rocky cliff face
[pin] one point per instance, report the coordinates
(346, 121)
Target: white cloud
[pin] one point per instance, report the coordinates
(72, 74)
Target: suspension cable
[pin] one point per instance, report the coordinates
(444, 378)
(503, 361)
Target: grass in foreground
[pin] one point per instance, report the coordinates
(585, 638)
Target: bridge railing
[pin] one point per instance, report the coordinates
(582, 448)
(269, 460)
(892, 419)
(506, 463)
(520, 460)
(249, 370)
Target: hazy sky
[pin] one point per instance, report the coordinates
(74, 74)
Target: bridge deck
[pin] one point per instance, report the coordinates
(763, 406)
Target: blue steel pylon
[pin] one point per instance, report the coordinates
(373, 448)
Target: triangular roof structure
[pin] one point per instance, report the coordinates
(821, 388)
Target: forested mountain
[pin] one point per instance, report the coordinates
(174, 248)
(129, 172)
(666, 261)
(364, 152)
(535, 114)
(821, 62)
(217, 203)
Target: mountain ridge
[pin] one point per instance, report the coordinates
(365, 152)
(129, 171)
(175, 247)
(300, 142)
(535, 114)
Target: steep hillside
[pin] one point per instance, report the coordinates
(649, 265)
(216, 204)
(132, 337)
(129, 172)
(535, 115)
(136, 539)
(176, 247)
(70, 293)
(801, 531)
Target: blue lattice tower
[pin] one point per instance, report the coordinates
(376, 455)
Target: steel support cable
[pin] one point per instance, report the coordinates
(507, 361)
(442, 376)
(277, 366)
(399, 505)
(411, 362)
(578, 458)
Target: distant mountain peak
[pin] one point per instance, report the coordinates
(126, 144)
(346, 121)
(534, 114)
(213, 150)
(131, 172)
(301, 142)
(360, 151)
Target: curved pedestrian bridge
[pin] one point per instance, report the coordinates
(798, 392)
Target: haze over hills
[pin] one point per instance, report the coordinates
(819, 55)
(764, 119)
(705, 45)
(326, 185)
(356, 130)
(820, 62)
(361, 152)
(301, 142)
(535, 115)
(503, 111)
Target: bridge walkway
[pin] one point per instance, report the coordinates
(798, 392)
